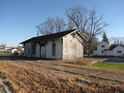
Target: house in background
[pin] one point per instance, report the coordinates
(105, 49)
(1, 49)
(4, 49)
(12, 50)
(65, 45)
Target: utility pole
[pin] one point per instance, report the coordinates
(5, 47)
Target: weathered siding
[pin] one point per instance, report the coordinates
(37, 49)
(67, 48)
(58, 49)
(72, 48)
(27, 51)
(48, 50)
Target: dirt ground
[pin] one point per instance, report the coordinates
(41, 76)
(92, 75)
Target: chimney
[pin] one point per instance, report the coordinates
(37, 33)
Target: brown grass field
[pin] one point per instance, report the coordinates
(40, 76)
(1, 87)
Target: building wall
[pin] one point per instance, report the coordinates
(94, 52)
(72, 48)
(58, 49)
(48, 50)
(37, 49)
(27, 49)
(99, 50)
(1, 49)
(118, 48)
(113, 52)
(108, 53)
(67, 48)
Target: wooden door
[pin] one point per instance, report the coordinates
(43, 52)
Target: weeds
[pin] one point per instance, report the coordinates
(26, 80)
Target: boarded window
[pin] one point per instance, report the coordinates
(33, 49)
(53, 49)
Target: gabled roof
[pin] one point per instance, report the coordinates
(104, 42)
(49, 36)
(112, 47)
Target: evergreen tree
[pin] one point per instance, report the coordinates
(105, 38)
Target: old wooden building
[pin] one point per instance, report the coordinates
(65, 45)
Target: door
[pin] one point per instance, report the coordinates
(43, 52)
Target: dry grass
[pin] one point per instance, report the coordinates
(1, 87)
(85, 61)
(27, 80)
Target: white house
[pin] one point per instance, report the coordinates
(65, 45)
(104, 49)
(12, 50)
(1, 49)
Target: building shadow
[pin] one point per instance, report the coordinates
(20, 58)
(115, 60)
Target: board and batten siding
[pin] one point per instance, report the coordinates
(37, 50)
(58, 54)
(67, 48)
(48, 50)
(27, 48)
(72, 48)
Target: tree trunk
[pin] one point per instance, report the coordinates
(89, 47)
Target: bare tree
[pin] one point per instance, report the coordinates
(70, 25)
(117, 40)
(87, 22)
(46, 27)
(51, 25)
(95, 27)
(59, 24)
(94, 44)
(78, 16)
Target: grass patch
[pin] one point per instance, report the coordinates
(110, 66)
(5, 54)
(84, 61)
(1, 87)
(119, 67)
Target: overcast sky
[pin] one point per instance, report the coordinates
(18, 18)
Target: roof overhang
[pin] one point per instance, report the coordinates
(55, 36)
